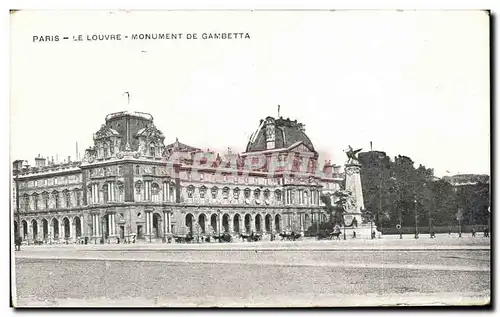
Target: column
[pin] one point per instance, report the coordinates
(164, 192)
(41, 233)
(72, 230)
(168, 192)
(165, 218)
(252, 224)
(98, 225)
(61, 229)
(110, 223)
(230, 224)
(301, 218)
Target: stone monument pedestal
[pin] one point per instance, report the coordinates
(355, 204)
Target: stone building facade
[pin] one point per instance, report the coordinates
(130, 183)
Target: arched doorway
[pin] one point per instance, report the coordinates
(24, 225)
(236, 223)
(66, 225)
(55, 228)
(45, 228)
(189, 222)
(307, 221)
(202, 219)
(34, 227)
(248, 219)
(277, 223)
(268, 221)
(225, 222)
(258, 221)
(156, 225)
(16, 229)
(78, 226)
(213, 222)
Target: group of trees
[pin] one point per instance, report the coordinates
(394, 191)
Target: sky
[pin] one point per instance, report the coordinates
(414, 83)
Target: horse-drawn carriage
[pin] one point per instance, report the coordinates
(188, 238)
(224, 237)
(292, 236)
(251, 237)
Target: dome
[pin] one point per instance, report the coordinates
(277, 134)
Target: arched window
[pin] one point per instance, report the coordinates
(106, 150)
(203, 191)
(105, 192)
(45, 198)
(190, 191)
(256, 193)
(78, 197)
(67, 199)
(214, 192)
(137, 170)
(26, 202)
(155, 192)
(35, 201)
(247, 193)
(119, 185)
(55, 194)
(225, 192)
(152, 149)
(277, 193)
(266, 193)
(236, 193)
(138, 187)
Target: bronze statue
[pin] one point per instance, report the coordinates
(352, 155)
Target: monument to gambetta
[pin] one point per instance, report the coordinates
(353, 216)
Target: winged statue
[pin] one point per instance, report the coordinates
(352, 155)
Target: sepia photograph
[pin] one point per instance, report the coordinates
(250, 158)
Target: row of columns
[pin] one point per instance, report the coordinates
(96, 225)
(111, 191)
(302, 198)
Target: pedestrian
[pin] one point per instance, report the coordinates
(473, 231)
(18, 241)
(433, 235)
(354, 234)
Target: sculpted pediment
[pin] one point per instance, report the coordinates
(300, 147)
(105, 132)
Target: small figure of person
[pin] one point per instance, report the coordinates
(354, 234)
(449, 232)
(118, 240)
(373, 234)
(486, 232)
(473, 232)
(433, 235)
(18, 241)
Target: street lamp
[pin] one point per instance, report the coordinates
(416, 220)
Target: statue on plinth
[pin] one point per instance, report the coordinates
(352, 157)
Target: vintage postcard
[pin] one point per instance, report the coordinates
(250, 158)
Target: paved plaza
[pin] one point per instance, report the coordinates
(389, 271)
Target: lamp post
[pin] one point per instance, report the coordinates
(416, 220)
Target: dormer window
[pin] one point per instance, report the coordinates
(106, 154)
(236, 193)
(111, 147)
(247, 193)
(152, 149)
(266, 193)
